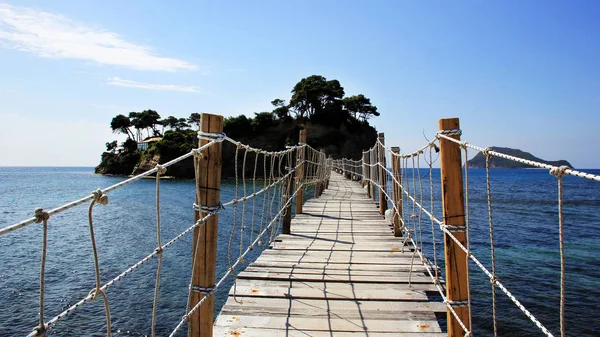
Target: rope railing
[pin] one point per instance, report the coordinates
(254, 220)
(408, 212)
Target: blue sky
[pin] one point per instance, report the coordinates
(522, 74)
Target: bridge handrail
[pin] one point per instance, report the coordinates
(317, 172)
(368, 170)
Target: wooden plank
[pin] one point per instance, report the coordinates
(328, 324)
(341, 272)
(348, 308)
(322, 286)
(227, 331)
(404, 278)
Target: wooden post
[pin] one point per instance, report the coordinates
(372, 161)
(322, 175)
(318, 176)
(397, 192)
(300, 175)
(367, 173)
(208, 183)
(344, 167)
(457, 269)
(289, 191)
(382, 175)
(364, 170)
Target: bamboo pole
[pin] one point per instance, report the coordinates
(397, 192)
(457, 269)
(208, 183)
(382, 174)
(300, 175)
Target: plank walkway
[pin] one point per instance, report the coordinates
(340, 273)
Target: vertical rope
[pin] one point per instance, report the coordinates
(253, 199)
(437, 276)
(559, 172)
(562, 256)
(42, 217)
(489, 200)
(102, 200)
(234, 223)
(160, 170)
(421, 246)
(467, 229)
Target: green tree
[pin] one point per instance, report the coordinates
(194, 119)
(313, 94)
(111, 146)
(170, 122)
(360, 107)
(122, 124)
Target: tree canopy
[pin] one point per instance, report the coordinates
(336, 124)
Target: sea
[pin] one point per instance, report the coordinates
(525, 219)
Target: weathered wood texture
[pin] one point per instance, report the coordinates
(457, 267)
(204, 256)
(340, 272)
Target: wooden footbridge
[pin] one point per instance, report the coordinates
(337, 268)
(340, 272)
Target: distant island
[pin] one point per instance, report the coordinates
(335, 124)
(495, 162)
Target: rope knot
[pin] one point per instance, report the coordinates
(100, 198)
(40, 215)
(219, 137)
(463, 145)
(486, 152)
(41, 330)
(198, 153)
(160, 169)
(449, 132)
(559, 171)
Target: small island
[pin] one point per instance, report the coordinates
(495, 162)
(335, 124)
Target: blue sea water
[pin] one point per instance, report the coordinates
(525, 229)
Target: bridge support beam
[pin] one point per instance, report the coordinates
(457, 267)
(204, 245)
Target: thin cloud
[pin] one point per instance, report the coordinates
(56, 36)
(134, 84)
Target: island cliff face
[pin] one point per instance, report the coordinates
(495, 162)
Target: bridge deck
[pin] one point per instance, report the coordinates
(340, 273)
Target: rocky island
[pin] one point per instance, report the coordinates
(495, 162)
(335, 124)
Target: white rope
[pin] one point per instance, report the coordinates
(229, 271)
(102, 200)
(128, 271)
(90, 197)
(160, 170)
(567, 171)
(42, 217)
(559, 173)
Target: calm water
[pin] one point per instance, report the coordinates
(526, 235)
